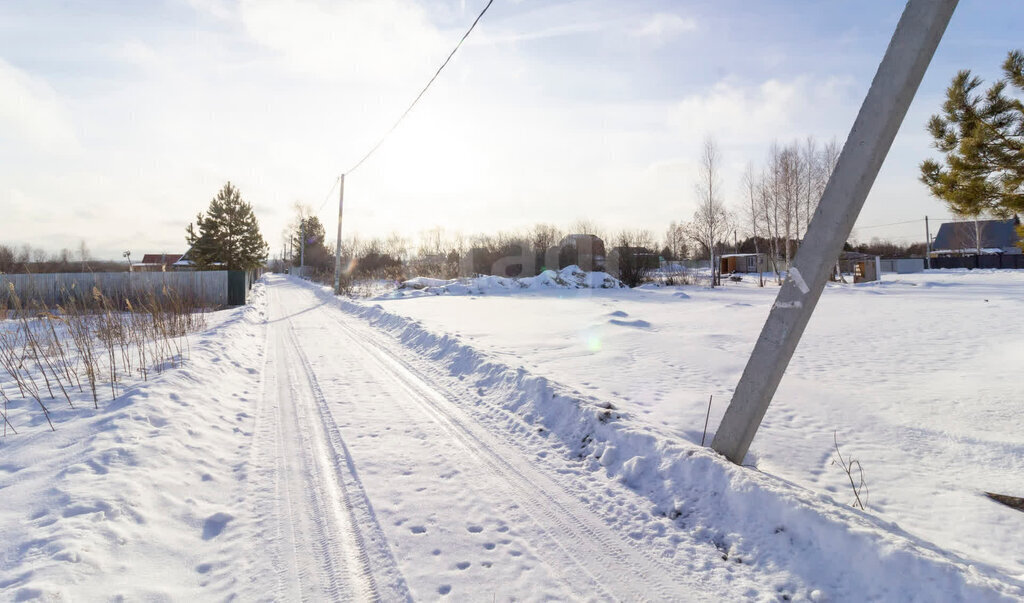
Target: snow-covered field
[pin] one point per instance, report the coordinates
(500, 443)
(919, 376)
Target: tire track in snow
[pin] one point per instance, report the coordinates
(308, 500)
(594, 549)
(270, 500)
(370, 550)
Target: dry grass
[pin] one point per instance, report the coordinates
(90, 343)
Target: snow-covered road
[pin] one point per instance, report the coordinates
(370, 482)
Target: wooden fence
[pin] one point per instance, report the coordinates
(207, 288)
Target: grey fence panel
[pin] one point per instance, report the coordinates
(204, 287)
(903, 265)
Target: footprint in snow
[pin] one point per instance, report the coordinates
(215, 524)
(418, 530)
(637, 324)
(619, 314)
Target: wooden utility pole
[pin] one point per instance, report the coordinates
(302, 247)
(337, 245)
(917, 35)
(927, 245)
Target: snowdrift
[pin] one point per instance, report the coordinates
(749, 516)
(570, 277)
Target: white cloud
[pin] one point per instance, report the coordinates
(31, 112)
(772, 109)
(661, 26)
(561, 31)
(364, 40)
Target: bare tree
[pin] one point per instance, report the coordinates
(751, 188)
(397, 246)
(586, 226)
(811, 164)
(84, 255)
(711, 220)
(675, 240)
(634, 256)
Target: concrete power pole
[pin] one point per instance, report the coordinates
(917, 35)
(337, 247)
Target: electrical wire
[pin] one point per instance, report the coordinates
(423, 91)
(892, 224)
(409, 108)
(327, 197)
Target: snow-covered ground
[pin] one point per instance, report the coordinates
(510, 443)
(125, 501)
(919, 376)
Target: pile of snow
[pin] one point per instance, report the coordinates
(570, 277)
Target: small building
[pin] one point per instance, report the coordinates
(966, 237)
(584, 250)
(156, 262)
(864, 267)
(743, 263)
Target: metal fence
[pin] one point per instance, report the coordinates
(997, 261)
(208, 288)
(903, 265)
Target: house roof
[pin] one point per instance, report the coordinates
(160, 258)
(997, 234)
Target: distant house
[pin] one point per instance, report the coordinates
(584, 250)
(962, 238)
(743, 262)
(641, 256)
(156, 262)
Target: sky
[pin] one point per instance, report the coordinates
(120, 120)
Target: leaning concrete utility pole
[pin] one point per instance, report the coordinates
(917, 35)
(337, 246)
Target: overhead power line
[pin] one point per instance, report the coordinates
(409, 108)
(423, 91)
(892, 224)
(327, 197)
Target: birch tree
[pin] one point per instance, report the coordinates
(711, 220)
(752, 207)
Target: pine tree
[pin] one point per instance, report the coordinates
(982, 139)
(313, 230)
(228, 235)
